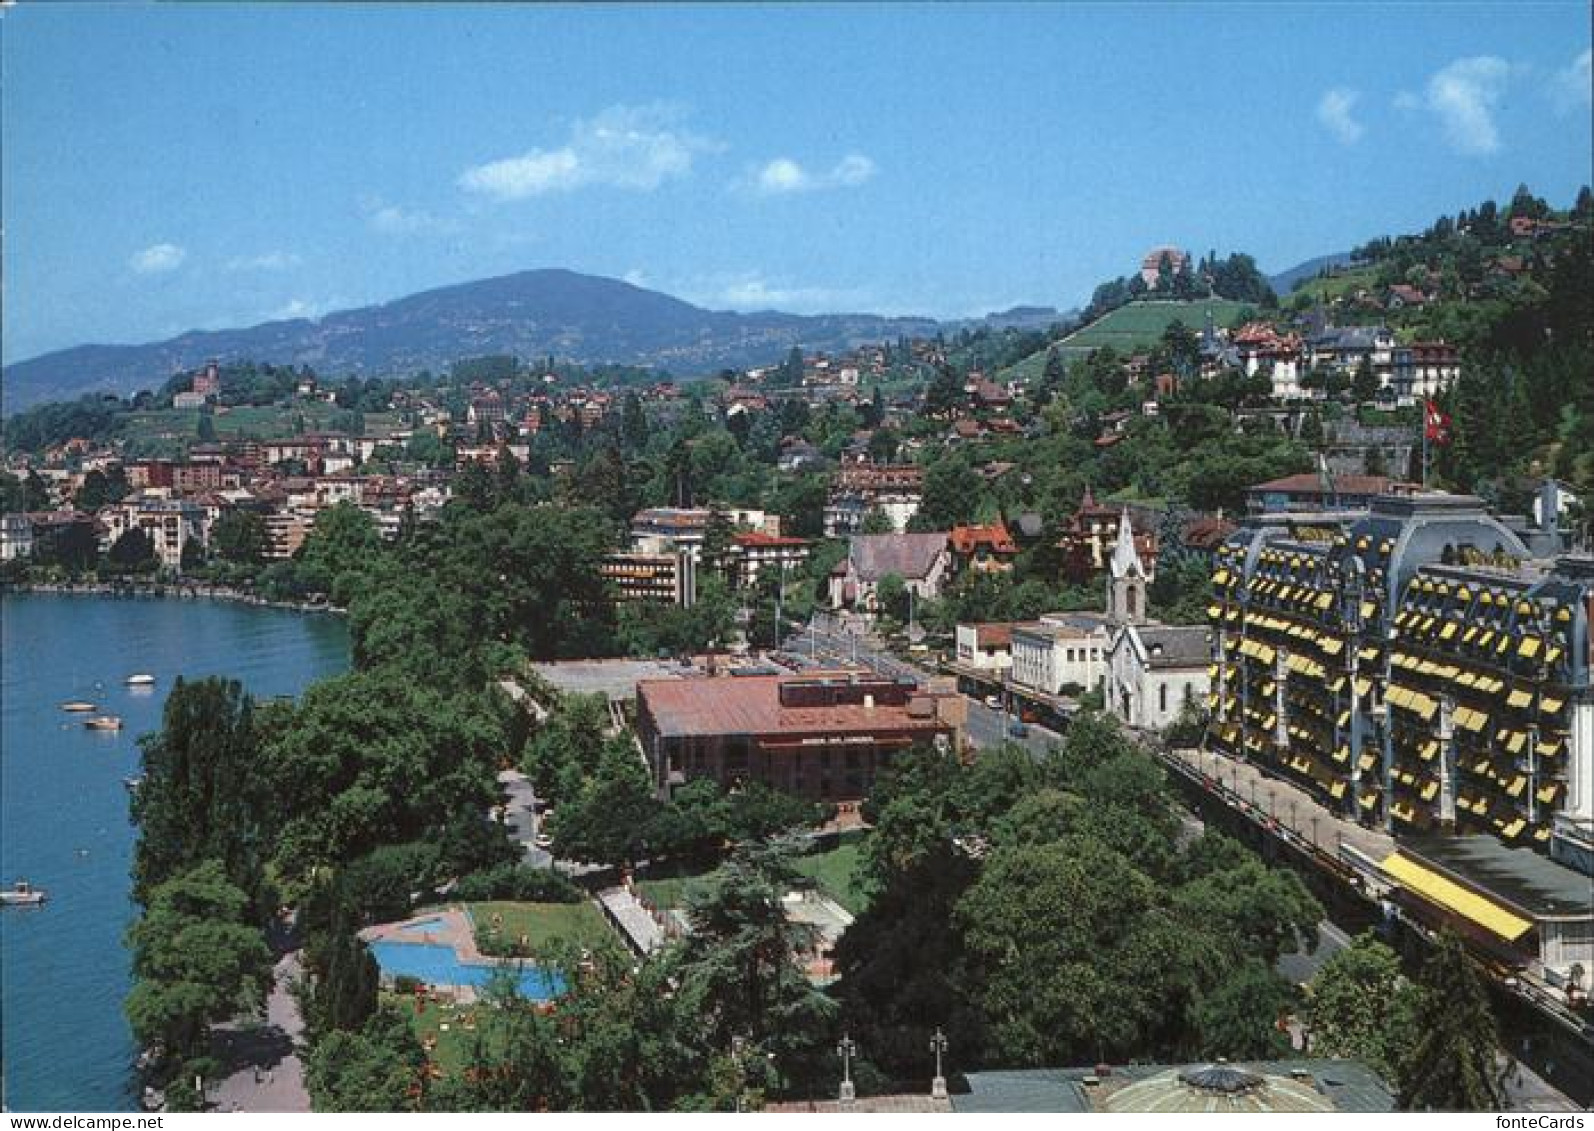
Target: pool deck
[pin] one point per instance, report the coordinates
(449, 927)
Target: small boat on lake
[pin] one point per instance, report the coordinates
(132, 784)
(77, 706)
(21, 894)
(142, 679)
(104, 722)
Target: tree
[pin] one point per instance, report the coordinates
(193, 556)
(614, 819)
(133, 552)
(944, 395)
(1454, 1064)
(239, 536)
(739, 968)
(99, 489)
(200, 798)
(1365, 386)
(1239, 1018)
(1361, 1007)
(877, 521)
(891, 595)
(196, 961)
(377, 1068)
(952, 493)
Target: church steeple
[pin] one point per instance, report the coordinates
(1126, 578)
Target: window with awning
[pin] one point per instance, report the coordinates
(1451, 896)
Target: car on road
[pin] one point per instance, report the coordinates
(543, 841)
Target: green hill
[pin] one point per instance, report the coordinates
(1127, 329)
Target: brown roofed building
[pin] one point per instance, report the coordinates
(984, 549)
(823, 737)
(1308, 492)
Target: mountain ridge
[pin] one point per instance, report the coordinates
(588, 319)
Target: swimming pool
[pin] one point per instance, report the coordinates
(439, 966)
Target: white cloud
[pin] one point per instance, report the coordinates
(628, 147)
(784, 175)
(1464, 96)
(294, 308)
(1572, 87)
(157, 259)
(267, 261)
(396, 220)
(1334, 111)
(751, 290)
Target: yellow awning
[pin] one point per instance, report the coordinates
(1455, 898)
(1520, 698)
(1448, 631)
(1529, 647)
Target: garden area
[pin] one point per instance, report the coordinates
(504, 928)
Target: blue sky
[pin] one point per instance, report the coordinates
(174, 167)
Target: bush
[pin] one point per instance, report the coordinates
(519, 883)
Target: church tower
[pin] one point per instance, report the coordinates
(1126, 579)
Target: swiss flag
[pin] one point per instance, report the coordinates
(1436, 424)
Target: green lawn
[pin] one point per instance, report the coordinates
(669, 892)
(451, 1043)
(835, 872)
(540, 924)
(1136, 326)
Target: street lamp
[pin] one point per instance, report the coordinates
(938, 1085)
(847, 1049)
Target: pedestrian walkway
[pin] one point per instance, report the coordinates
(641, 930)
(268, 1075)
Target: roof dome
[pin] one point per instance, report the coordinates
(1217, 1088)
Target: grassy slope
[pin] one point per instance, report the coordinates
(1136, 326)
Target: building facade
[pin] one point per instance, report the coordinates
(1412, 668)
(823, 737)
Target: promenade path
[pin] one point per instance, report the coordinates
(270, 1075)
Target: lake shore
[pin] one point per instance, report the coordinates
(187, 591)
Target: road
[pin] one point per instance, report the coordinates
(520, 815)
(988, 727)
(826, 640)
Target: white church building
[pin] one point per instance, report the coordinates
(1152, 670)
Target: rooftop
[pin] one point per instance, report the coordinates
(1292, 1085)
(1520, 877)
(753, 705)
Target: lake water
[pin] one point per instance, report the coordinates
(63, 809)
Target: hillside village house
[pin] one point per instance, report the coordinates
(982, 549)
(893, 489)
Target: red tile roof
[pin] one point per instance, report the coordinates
(751, 705)
(966, 539)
